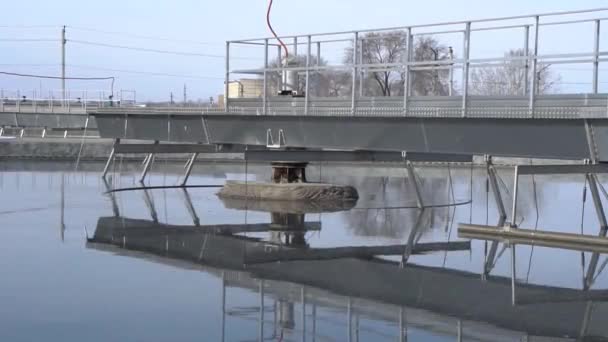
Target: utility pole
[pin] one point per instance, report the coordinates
(63, 41)
(185, 94)
(171, 98)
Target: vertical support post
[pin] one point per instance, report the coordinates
(314, 322)
(599, 211)
(451, 89)
(527, 60)
(261, 310)
(280, 64)
(265, 82)
(307, 85)
(402, 325)
(189, 168)
(227, 79)
(406, 81)
(295, 47)
(110, 158)
(515, 187)
(349, 318)
(318, 53)
(465, 68)
(596, 53)
(534, 85)
(303, 299)
(459, 330)
(361, 72)
(513, 274)
(223, 306)
(353, 104)
(63, 41)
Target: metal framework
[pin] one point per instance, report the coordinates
(527, 104)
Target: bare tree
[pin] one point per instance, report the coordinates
(510, 78)
(391, 48)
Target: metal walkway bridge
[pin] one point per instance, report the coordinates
(526, 124)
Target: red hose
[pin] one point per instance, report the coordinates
(272, 30)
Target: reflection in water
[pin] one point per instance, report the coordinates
(337, 276)
(369, 289)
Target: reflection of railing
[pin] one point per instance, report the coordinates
(531, 60)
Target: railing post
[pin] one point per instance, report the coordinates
(534, 86)
(265, 82)
(465, 68)
(318, 53)
(227, 78)
(353, 104)
(307, 86)
(406, 81)
(361, 69)
(596, 55)
(527, 60)
(280, 78)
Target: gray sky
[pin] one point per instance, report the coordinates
(214, 22)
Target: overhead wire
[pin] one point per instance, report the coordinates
(126, 47)
(138, 36)
(141, 72)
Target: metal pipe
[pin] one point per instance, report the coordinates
(307, 81)
(147, 166)
(543, 238)
(227, 78)
(515, 188)
(353, 105)
(189, 168)
(412, 175)
(496, 193)
(465, 70)
(534, 85)
(106, 168)
(596, 51)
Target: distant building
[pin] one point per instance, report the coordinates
(246, 88)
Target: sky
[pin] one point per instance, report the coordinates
(212, 23)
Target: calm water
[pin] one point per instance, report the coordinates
(79, 265)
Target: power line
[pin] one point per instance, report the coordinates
(127, 34)
(57, 77)
(170, 52)
(28, 26)
(152, 73)
(27, 40)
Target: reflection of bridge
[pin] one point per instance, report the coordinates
(414, 296)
